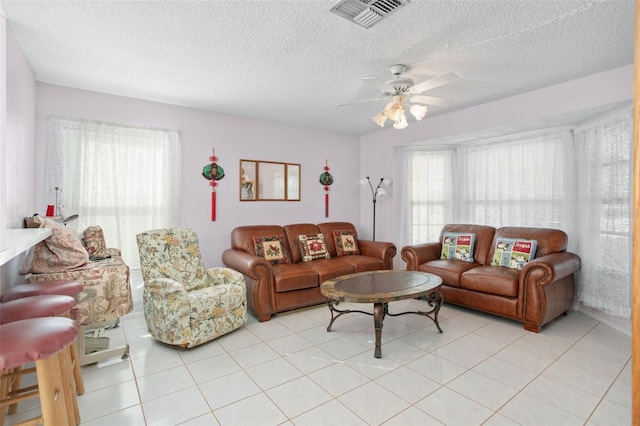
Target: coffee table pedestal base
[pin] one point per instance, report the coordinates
(381, 309)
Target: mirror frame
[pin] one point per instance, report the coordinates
(251, 176)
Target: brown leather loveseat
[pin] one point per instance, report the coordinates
(274, 286)
(533, 293)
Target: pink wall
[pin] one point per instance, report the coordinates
(234, 138)
(17, 139)
(377, 149)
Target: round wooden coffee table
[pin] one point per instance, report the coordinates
(380, 288)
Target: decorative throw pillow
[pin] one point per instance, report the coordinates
(272, 248)
(346, 242)
(458, 246)
(60, 252)
(93, 241)
(513, 253)
(313, 246)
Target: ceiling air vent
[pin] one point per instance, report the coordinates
(366, 13)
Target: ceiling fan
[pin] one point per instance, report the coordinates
(401, 89)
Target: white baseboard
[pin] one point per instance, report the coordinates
(622, 325)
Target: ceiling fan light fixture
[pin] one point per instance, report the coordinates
(418, 111)
(401, 123)
(380, 118)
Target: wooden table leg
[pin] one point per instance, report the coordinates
(378, 317)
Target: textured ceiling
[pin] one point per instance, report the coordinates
(294, 61)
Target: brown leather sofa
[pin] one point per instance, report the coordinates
(541, 291)
(282, 287)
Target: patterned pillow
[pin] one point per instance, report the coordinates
(313, 246)
(346, 242)
(513, 253)
(60, 252)
(272, 248)
(93, 241)
(458, 246)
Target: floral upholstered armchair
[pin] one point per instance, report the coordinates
(184, 303)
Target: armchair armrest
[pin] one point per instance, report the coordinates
(379, 249)
(421, 253)
(225, 276)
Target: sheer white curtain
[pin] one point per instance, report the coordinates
(426, 195)
(603, 150)
(125, 179)
(519, 180)
(577, 180)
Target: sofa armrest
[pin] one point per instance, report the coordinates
(554, 267)
(259, 280)
(250, 265)
(548, 286)
(225, 276)
(166, 310)
(378, 249)
(419, 254)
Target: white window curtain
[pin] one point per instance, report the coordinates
(519, 180)
(577, 180)
(603, 151)
(125, 179)
(427, 195)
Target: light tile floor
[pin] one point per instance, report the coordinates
(482, 370)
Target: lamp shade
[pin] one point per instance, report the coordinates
(68, 215)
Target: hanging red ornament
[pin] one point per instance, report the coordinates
(213, 172)
(326, 179)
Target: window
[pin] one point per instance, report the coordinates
(428, 194)
(577, 180)
(125, 179)
(604, 212)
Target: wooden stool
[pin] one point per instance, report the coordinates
(38, 307)
(46, 341)
(48, 288)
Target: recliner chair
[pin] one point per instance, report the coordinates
(184, 303)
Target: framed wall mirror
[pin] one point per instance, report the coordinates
(269, 181)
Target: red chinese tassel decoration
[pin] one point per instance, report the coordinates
(326, 179)
(213, 172)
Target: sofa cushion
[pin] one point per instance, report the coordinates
(313, 247)
(448, 270)
(296, 276)
(330, 268)
(59, 252)
(458, 246)
(364, 263)
(272, 248)
(346, 242)
(492, 280)
(93, 241)
(513, 253)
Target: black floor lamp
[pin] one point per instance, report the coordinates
(375, 193)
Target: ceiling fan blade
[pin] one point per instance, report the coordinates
(431, 100)
(434, 82)
(363, 100)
